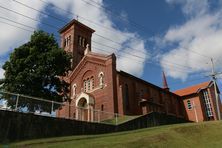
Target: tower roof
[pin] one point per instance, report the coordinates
(165, 85)
(75, 22)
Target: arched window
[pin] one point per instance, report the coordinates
(101, 79)
(126, 97)
(74, 90)
(85, 85)
(83, 42)
(79, 40)
(88, 84)
(92, 82)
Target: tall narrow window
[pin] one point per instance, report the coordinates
(88, 84)
(126, 97)
(101, 79)
(69, 40)
(79, 40)
(85, 85)
(207, 103)
(74, 90)
(64, 43)
(189, 105)
(92, 83)
(83, 42)
(102, 107)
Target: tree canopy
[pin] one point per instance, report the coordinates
(36, 67)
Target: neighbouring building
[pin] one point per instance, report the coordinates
(95, 84)
(200, 102)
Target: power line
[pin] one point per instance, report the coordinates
(93, 23)
(117, 43)
(139, 56)
(36, 20)
(62, 21)
(16, 26)
(57, 28)
(116, 49)
(57, 37)
(44, 13)
(109, 27)
(16, 22)
(83, 18)
(95, 47)
(130, 21)
(132, 55)
(182, 70)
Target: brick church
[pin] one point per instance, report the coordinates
(95, 84)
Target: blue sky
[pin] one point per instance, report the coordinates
(177, 36)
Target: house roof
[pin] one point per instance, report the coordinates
(192, 89)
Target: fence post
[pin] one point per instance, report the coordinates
(116, 117)
(52, 107)
(17, 99)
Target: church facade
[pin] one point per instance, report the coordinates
(95, 84)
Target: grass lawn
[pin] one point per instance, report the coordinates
(208, 134)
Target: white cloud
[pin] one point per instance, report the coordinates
(129, 62)
(1, 73)
(200, 36)
(191, 7)
(132, 40)
(12, 37)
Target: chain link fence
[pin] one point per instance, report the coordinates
(27, 104)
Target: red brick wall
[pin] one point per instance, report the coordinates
(112, 96)
(77, 51)
(200, 105)
(155, 98)
(199, 108)
(105, 96)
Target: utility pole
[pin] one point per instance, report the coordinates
(213, 75)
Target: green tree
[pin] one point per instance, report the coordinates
(35, 69)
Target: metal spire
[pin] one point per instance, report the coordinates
(165, 85)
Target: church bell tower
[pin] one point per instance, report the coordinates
(74, 38)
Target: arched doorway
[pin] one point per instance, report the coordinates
(84, 107)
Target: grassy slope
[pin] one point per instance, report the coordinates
(208, 134)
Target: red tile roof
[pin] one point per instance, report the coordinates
(192, 89)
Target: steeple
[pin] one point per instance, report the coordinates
(165, 85)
